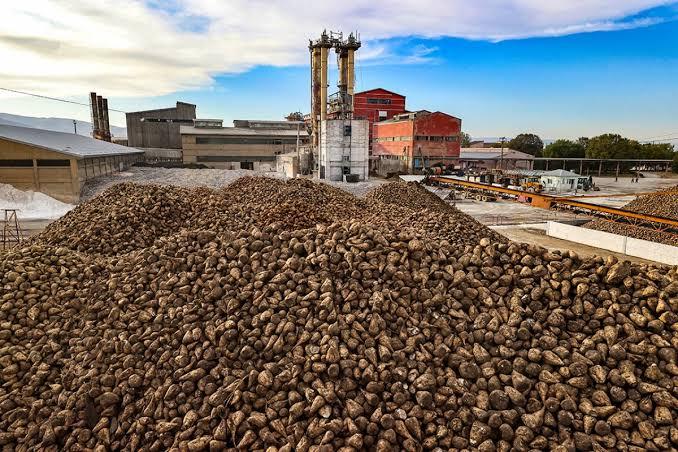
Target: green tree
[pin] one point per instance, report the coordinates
(659, 151)
(465, 140)
(675, 162)
(612, 146)
(528, 143)
(565, 149)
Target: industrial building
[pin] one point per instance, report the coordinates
(339, 141)
(249, 144)
(410, 142)
(159, 128)
(343, 146)
(57, 163)
(377, 105)
(562, 181)
(494, 158)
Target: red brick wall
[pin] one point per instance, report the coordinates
(437, 125)
(425, 140)
(390, 130)
(364, 110)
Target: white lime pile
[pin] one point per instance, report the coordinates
(30, 204)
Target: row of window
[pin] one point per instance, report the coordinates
(230, 158)
(435, 138)
(383, 139)
(371, 100)
(245, 140)
(417, 138)
(26, 163)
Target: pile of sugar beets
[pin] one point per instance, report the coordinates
(663, 203)
(159, 318)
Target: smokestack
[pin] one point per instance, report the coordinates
(100, 117)
(106, 126)
(95, 114)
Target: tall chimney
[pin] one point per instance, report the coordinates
(95, 114)
(100, 117)
(106, 126)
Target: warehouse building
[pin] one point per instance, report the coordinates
(249, 144)
(57, 163)
(158, 128)
(377, 105)
(410, 142)
(494, 158)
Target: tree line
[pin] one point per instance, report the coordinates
(606, 146)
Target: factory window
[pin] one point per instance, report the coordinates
(454, 138)
(382, 114)
(244, 140)
(421, 138)
(17, 163)
(229, 158)
(347, 131)
(371, 100)
(54, 163)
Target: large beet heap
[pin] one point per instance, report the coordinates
(120, 330)
(663, 203)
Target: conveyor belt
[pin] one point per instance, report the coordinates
(562, 203)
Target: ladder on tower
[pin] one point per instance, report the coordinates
(12, 234)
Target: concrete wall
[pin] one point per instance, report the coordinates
(643, 249)
(150, 134)
(287, 165)
(339, 151)
(391, 164)
(162, 154)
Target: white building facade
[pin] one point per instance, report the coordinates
(562, 181)
(343, 149)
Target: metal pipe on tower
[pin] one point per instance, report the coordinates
(324, 51)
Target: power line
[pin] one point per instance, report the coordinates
(658, 136)
(55, 98)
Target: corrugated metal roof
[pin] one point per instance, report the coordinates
(561, 173)
(64, 143)
(492, 153)
(241, 131)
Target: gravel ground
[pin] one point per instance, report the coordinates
(214, 178)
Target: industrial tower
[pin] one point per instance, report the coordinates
(337, 138)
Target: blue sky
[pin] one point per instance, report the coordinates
(555, 72)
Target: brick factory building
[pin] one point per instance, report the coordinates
(412, 141)
(377, 105)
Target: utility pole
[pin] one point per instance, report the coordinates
(75, 127)
(501, 159)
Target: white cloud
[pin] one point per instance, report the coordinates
(135, 48)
